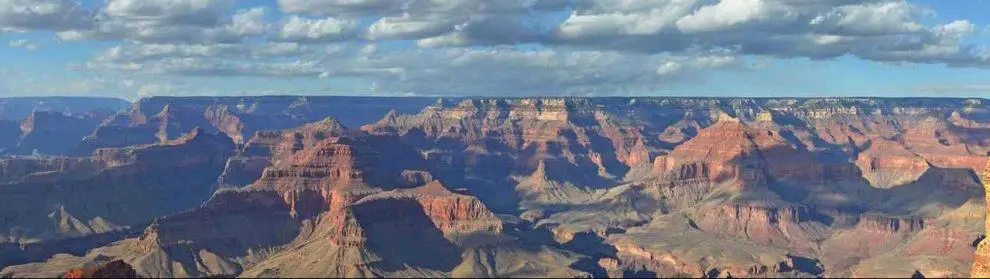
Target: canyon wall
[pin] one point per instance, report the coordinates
(303, 186)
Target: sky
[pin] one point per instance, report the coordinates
(750, 48)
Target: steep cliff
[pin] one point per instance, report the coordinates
(266, 148)
(981, 263)
(53, 133)
(114, 269)
(55, 198)
(615, 187)
(155, 119)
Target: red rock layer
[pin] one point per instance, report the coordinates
(668, 265)
(114, 269)
(764, 225)
(981, 261)
(944, 242)
(886, 225)
(523, 132)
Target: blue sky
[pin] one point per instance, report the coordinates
(135, 48)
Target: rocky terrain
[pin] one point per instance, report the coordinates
(158, 119)
(501, 187)
(50, 125)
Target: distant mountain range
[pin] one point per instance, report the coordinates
(305, 186)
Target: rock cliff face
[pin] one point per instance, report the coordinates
(981, 262)
(886, 164)
(114, 269)
(841, 158)
(157, 119)
(46, 199)
(490, 187)
(50, 126)
(266, 148)
(53, 133)
(354, 200)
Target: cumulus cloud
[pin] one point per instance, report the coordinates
(55, 15)
(23, 43)
(573, 47)
(818, 29)
(441, 71)
(206, 13)
(297, 29)
(136, 53)
(171, 21)
(730, 14)
(406, 27)
(342, 7)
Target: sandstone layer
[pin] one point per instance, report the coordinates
(507, 187)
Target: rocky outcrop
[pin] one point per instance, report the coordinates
(886, 225)
(583, 186)
(114, 269)
(51, 125)
(266, 148)
(155, 119)
(10, 133)
(981, 262)
(448, 212)
(13, 170)
(887, 164)
(53, 133)
(670, 247)
(789, 227)
(115, 188)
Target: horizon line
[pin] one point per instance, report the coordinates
(493, 97)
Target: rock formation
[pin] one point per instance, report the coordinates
(45, 199)
(981, 264)
(53, 133)
(18, 108)
(506, 187)
(156, 119)
(114, 269)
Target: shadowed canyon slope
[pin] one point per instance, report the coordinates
(502, 187)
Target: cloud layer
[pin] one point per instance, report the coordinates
(481, 47)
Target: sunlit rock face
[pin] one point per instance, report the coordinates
(981, 262)
(507, 187)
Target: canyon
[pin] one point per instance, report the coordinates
(304, 186)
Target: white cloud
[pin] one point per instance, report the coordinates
(404, 27)
(154, 90)
(248, 22)
(473, 46)
(652, 21)
(23, 43)
(728, 14)
(668, 68)
(204, 13)
(341, 7)
(137, 53)
(872, 19)
(453, 39)
(171, 21)
(714, 61)
(880, 30)
(297, 29)
(956, 30)
(56, 15)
